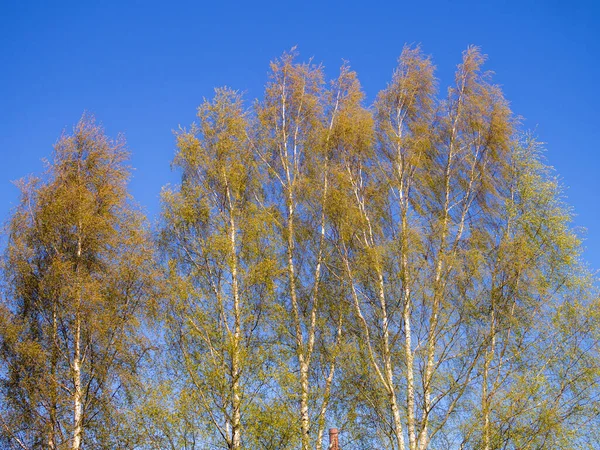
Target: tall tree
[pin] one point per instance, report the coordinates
(214, 237)
(78, 269)
(291, 129)
(301, 129)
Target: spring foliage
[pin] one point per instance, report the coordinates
(406, 271)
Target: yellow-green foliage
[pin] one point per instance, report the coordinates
(78, 271)
(406, 271)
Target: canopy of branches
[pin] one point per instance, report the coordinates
(405, 271)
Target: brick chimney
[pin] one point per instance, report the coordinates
(333, 439)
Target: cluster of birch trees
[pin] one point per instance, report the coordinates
(405, 271)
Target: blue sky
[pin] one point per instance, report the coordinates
(143, 67)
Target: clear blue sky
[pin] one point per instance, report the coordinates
(143, 67)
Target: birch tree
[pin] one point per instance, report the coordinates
(214, 237)
(77, 271)
(301, 124)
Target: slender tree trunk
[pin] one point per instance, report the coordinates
(304, 417)
(388, 366)
(329, 379)
(485, 395)
(302, 359)
(237, 334)
(406, 302)
(410, 381)
(435, 308)
(397, 420)
(77, 391)
(53, 367)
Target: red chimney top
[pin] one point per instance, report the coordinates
(333, 439)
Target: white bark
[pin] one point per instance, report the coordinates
(237, 333)
(76, 364)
